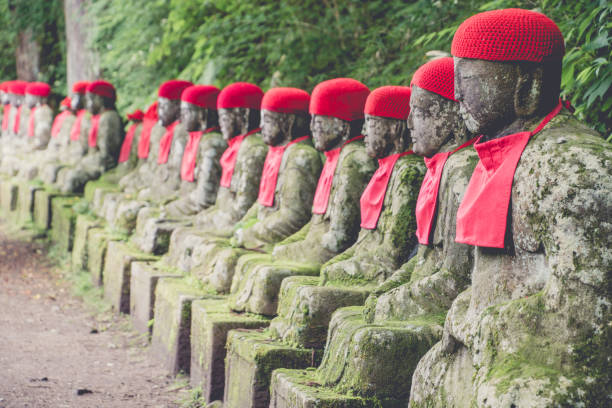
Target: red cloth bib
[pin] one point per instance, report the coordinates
(93, 131)
(191, 153)
(483, 212)
(145, 137)
(17, 120)
(427, 201)
(269, 175)
(228, 159)
(31, 122)
(5, 117)
(326, 179)
(58, 122)
(75, 132)
(166, 143)
(126, 146)
(373, 196)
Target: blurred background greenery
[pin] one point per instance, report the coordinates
(140, 43)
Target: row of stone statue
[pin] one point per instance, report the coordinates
(276, 231)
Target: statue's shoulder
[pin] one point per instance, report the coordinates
(255, 145)
(45, 110)
(303, 151)
(111, 116)
(354, 155)
(461, 164)
(410, 163)
(212, 140)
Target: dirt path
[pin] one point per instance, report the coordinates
(52, 344)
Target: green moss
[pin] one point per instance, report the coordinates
(298, 236)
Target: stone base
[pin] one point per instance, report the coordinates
(93, 185)
(145, 276)
(25, 201)
(117, 270)
(300, 389)
(305, 309)
(172, 322)
(84, 224)
(42, 208)
(210, 324)
(8, 197)
(62, 222)
(251, 358)
(97, 241)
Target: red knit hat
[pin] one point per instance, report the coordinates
(66, 102)
(389, 102)
(137, 115)
(17, 87)
(343, 98)
(172, 89)
(102, 88)
(437, 76)
(204, 96)
(4, 86)
(38, 89)
(80, 87)
(286, 100)
(240, 95)
(151, 112)
(509, 35)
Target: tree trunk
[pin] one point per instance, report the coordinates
(27, 56)
(82, 62)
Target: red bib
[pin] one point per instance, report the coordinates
(228, 159)
(427, 201)
(126, 146)
(326, 179)
(58, 122)
(373, 196)
(93, 131)
(31, 122)
(17, 120)
(5, 117)
(166, 143)
(145, 137)
(269, 176)
(483, 212)
(75, 132)
(191, 153)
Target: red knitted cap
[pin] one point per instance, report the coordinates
(173, 89)
(102, 88)
(286, 100)
(204, 96)
(509, 35)
(4, 86)
(389, 102)
(137, 115)
(343, 98)
(80, 87)
(38, 89)
(151, 112)
(66, 102)
(240, 95)
(18, 87)
(437, 76)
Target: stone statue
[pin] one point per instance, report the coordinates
(103, 139)
(200, 171)
(533, 328)
(408, 309)
(18, 113)
(6, 106)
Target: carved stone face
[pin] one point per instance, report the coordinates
(94, 103)
(4, 97)
(382, 135)
(433, 121)
(32, 100)
(485, 91)
(276, 127)
(193, 117)
(328, 131)
(16, 100)
(233, 122)
(77, 101)
(168, 110)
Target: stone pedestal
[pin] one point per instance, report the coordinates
(116, 275)
(43, 214)
(210, 324)
(251, 358)
(97, 241)
(103, 185)
(25, 201)
(8, 198)
(84, 224)
(144, 278)
(62, 222)
(171, 341)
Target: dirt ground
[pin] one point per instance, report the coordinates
(57, 350)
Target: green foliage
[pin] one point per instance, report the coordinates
(300, 43)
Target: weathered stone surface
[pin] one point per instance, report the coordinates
(25, 201)
(532, 329)
(42, 209)
(143, 281)
(251, 358)
(210, 324)
(117, 269)
(84, 223)
(62, 222)
(8, 196)
(97, 245)
(171, 341)
(153, 230)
